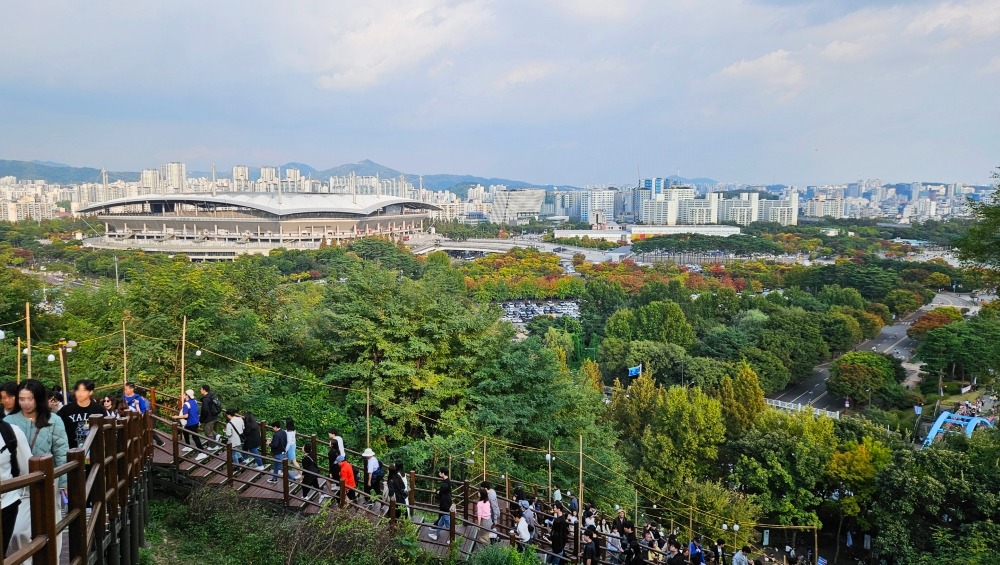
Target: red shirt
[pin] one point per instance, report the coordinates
(347, 474)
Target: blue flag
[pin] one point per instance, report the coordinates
(634, 371)
(821, 561)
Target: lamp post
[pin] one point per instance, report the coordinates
(65, 346)
(736, 529)
(548, 459)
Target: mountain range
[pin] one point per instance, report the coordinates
(60, 173)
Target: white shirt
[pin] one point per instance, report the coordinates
(372, 465)
(522, 531)
(23, 454)
(234, 428)
(291, 438)
(340, 444)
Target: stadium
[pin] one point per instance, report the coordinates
(213, 227)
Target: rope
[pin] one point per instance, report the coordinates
(12, 323)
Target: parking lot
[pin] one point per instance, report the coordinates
(522, 311)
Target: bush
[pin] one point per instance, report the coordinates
(499, 555)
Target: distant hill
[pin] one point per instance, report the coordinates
(58, 173)
(64, 174)
(696, 180)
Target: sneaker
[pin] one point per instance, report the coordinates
(186, 450)
(260, 467)
(433, 536)
(200, 456)
(272, 480)
(214, 448)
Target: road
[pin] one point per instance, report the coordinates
(892, 339)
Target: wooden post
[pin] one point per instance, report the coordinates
(285, 492)
(368, 417)
(548, 457)
(77, 483)
(43, 501)
(507, 485)
(392, 511)
(636, 521)
(184, 330)
(343, 493)
(410, 496)
(27, 331)
(690, 523)
(174, 433)
(229, 463)
(451, 527)
(19, 354)
(816, 544)
(62, 371)
(152, 399)
(484, 457)
(465, 500)
(124, 355)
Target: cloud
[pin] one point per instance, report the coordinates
(973, 19)
(526, 73)
(776, 73)
(385, 39)
(843, 51)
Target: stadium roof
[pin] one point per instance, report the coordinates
(287, 204)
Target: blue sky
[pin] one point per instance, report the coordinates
(548, 91)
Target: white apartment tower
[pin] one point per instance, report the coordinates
(597, 200)
(241, 177)
(176, 176)
(150, 179)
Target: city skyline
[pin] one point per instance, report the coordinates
(580, 93)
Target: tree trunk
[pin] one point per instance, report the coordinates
(840, 525)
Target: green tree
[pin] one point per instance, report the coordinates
(742, 400)
(664, 321)
(902, 302)
(601, 299)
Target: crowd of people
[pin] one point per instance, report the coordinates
(30, 427)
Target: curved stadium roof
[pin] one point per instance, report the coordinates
(290, 203)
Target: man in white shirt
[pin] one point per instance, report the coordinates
(12, 456)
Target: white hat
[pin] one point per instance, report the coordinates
(368, 453)
(190, 393)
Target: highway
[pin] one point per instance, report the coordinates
(892, 339)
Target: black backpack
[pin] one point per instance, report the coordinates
(10, 445)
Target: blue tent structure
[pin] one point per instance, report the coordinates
(947, 422)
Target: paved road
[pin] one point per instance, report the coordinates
(892, 339)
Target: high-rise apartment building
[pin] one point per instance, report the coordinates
(741, 211)
(700, 211)
(784, 212)
(597, 200)
(823, 207)
(241, 177)
(516, 206)
(150, 179)
(176, 176)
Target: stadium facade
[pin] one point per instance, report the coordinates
(224, 225)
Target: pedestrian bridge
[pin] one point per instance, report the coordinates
(795, 407)
(504, 245)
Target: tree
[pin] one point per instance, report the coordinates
(781, 462)
(981, 243)
(622, 325)
(850, 476)
(835, 295)
(902, 302)
(601, 299)
(937, 280)
(664, 321)
(934, 319)
(742, 400)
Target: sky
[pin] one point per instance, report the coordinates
(580, 92)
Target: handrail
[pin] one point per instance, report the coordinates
(113, 443)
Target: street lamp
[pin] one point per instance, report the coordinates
(736, 529)
(548, 459)
(65, 346)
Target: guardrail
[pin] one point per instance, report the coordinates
(795, 407)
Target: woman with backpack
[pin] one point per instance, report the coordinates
(290, 452)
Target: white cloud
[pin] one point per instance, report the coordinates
(776, 72)
(842, 51)
(371, 45)
(526, 73)
(975, 19)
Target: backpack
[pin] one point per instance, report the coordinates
(379, 473)
(10, 445)
(215, 406)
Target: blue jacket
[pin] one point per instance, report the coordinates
(136, 402)
(190, 412)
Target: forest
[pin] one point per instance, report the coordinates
(307, 334)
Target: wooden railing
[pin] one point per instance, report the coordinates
(114, 486)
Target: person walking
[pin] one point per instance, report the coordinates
(397, 490)
(189, 419)
(252, 440)
(346, 475)
(484, 517)
(740, 557)
(521, 531)
(373, 472)
(310, 471)
(8, 398)
(444, 504)
(336, 447)
(211, 409)
(695, 553)
(235, 433)
(291, 450)
(76, 415)
(46, 435)
(494, 502)
(14, 455)
(559, 535)
(279, 446)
